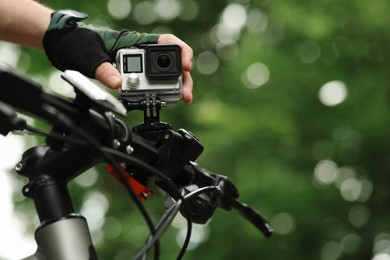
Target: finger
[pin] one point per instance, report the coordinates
(108, 75)
(187, 56)
(187, 87)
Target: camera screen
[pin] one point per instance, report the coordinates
(132, 63)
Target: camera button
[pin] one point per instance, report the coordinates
(133, 80)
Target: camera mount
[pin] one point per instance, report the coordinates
(150, 106)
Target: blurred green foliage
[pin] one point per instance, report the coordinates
(318, 172)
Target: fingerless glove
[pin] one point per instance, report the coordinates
(70, 46)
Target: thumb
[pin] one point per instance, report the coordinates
(108, 75)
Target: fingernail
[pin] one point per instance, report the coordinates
(113, 81)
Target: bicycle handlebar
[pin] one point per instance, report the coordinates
(172, 153)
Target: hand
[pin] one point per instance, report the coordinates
(186, 56)
(110, 77)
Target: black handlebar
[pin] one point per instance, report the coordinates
(172, 153)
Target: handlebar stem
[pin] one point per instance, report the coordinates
(50, 194)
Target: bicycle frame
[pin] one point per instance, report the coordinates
(64, 239)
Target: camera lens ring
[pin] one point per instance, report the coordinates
(163, 62)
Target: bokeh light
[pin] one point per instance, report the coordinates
(87, 179)
(308, 51)
(9, 53)
(167, 9)
(207, 63)
(223, 35)
(234, 16)
(381, 256)
(144, 13)
(325, 172)
(200, 233)
(351, 189)
(189, 10)
(331, 250)
(257, 21)
(333, 93)
(228, 52)
(351, 186)
(119, 9)
(344, 173)
(359, 215)
(228, 30)
(256, 75)
(274, 33)
(381, 248)
(94, 208)
(283, 223)
(112, 228)
(350, 243)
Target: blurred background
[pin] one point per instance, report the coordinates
(291, 103)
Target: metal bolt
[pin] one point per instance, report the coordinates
(166, 136)
(129, 149)
(123, 165)
(18, 167)
(26, 190)
(116, 144)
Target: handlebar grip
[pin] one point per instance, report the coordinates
(27, 95)
(9, 120)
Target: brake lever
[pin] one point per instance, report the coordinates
(229, 199)
(224, 196)
(254, 217)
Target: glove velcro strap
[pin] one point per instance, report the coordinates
(65, 19)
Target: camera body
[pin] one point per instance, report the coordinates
(151, 71)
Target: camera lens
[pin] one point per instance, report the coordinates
(163, 61)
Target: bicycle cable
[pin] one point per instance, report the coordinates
(104, 151)
(65, 121)
(167, 219)
(156, 172)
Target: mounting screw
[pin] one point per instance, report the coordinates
(19, 167)
(27, 190)
(129, 149)
(116, 144)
